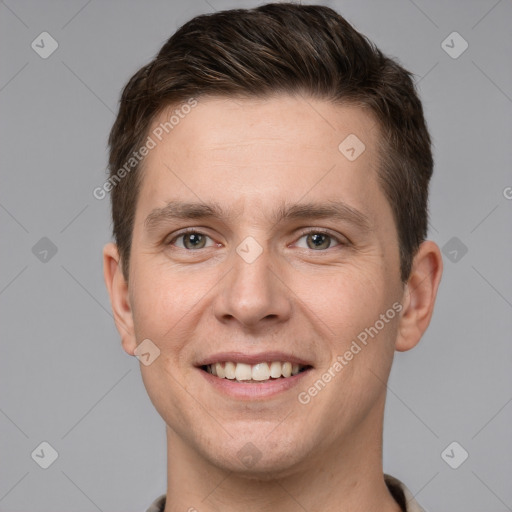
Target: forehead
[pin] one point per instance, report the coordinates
(259, 150)
(282, 123)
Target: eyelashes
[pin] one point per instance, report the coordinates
(198, 236)
(197, 240)
(323, 233)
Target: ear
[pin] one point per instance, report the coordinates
(119, 298)
(419, 295)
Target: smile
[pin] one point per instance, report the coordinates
(254, 373)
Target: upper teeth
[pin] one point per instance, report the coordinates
(260, 371)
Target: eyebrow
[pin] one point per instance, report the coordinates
(335, 210)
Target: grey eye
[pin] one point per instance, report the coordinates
(191, 241)
(317, 240)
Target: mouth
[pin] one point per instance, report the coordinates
(254, 373)
(247, 377)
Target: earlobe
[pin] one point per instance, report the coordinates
(419, 295)
(119, 297)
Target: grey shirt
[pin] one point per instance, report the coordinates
(397, 489)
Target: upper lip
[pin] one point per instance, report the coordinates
(260, 357)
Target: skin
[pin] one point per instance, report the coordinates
(250, 156)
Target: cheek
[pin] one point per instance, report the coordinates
(160, 301)
(347, 299)
(169, 304)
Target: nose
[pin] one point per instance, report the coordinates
(252, 293)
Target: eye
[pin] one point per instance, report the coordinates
(319, 240)
(191, 240)
(314, 239)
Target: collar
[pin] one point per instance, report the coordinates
(398, 490)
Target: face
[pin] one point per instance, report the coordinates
(257, 241)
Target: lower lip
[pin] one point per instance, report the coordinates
(264, 389)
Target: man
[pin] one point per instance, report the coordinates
(269, 179)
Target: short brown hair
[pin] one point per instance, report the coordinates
(289, 48)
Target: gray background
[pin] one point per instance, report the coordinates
(64, 376)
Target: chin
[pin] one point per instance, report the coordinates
(259, 459)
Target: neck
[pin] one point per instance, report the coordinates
(348, 476)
